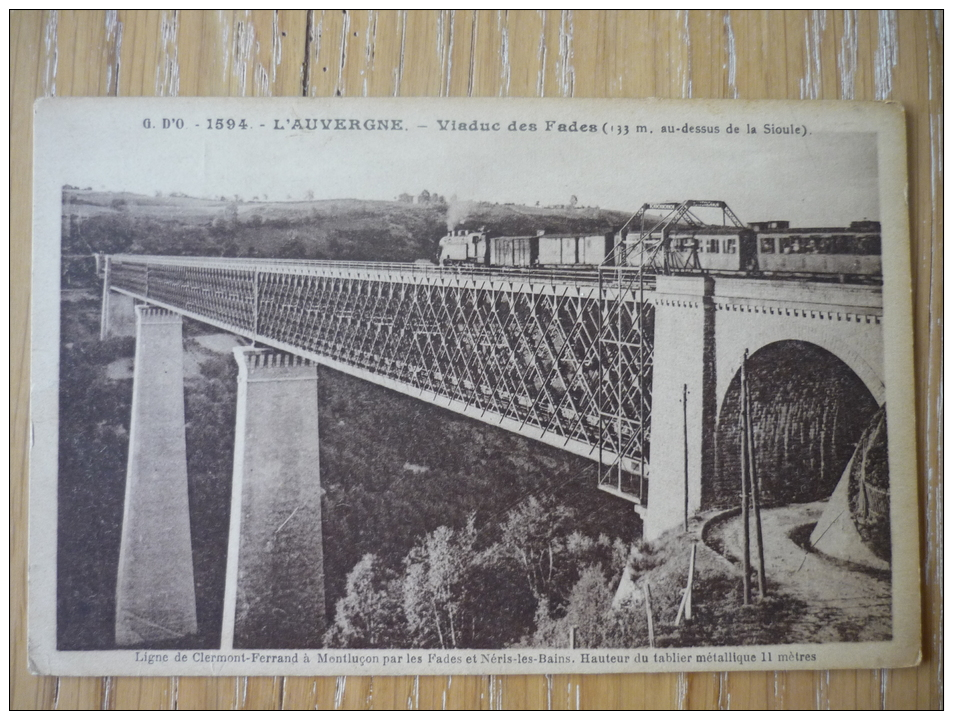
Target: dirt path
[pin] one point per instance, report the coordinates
(843, 602)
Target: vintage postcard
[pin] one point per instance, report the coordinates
(432, 386)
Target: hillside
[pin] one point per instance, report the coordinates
(375, 230)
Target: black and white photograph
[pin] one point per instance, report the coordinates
(470, 386)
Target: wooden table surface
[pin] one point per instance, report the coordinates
(746, 55)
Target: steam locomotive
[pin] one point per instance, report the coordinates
(758, 248)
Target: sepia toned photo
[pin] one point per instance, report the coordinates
(452, 386)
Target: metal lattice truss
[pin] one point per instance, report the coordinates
(560, 358)
(651, 251)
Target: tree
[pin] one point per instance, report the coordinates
(538, 537)
(436, 587)
(590, 603)
(533, 535)
(369, 615)
(107, 233)
(589, 617)
(293, 248)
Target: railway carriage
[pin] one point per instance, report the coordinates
(757, 249)
(593, 250)
(478, 247)
(558, 250)
(726, 250)
(852, 251)
(514, 251)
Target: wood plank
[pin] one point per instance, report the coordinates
(702, 690)
(327, 52)
(32, 45)
(139, 693)
(520, 691)
(262, 692)
(311, 692)
(225, 692)
(828, 54)
(918, 40)
(146, 53)
(78, 693)
(392, 692)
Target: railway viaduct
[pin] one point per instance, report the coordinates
(632, 372)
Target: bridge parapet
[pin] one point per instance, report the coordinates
(801, 298)
(140, 273)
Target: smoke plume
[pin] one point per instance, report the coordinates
(457, 212)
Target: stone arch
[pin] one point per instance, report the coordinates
(866, 363)
(809, 410)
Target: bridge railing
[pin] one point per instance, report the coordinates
(548, 275)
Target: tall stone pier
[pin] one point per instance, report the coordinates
(155, 592)
(684, 404)
(274, 584)
(118, 315)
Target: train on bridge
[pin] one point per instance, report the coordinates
(680, 243)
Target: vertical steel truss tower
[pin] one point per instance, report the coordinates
(651, 249)
(563, 357)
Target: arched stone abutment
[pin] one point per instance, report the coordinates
(741, 331)
(816, 370)
(808, 411)
(703, 328)
(843, 320)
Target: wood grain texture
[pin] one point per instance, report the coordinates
(862, 55)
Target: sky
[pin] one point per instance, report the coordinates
(827, 177)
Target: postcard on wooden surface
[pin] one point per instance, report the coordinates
(433, 386)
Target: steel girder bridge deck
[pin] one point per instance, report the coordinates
(561, 356)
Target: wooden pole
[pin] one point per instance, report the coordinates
(746, 554)
(685, 444)
(691, 583)
(685, 606)
(755, 494)
(648, 614)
